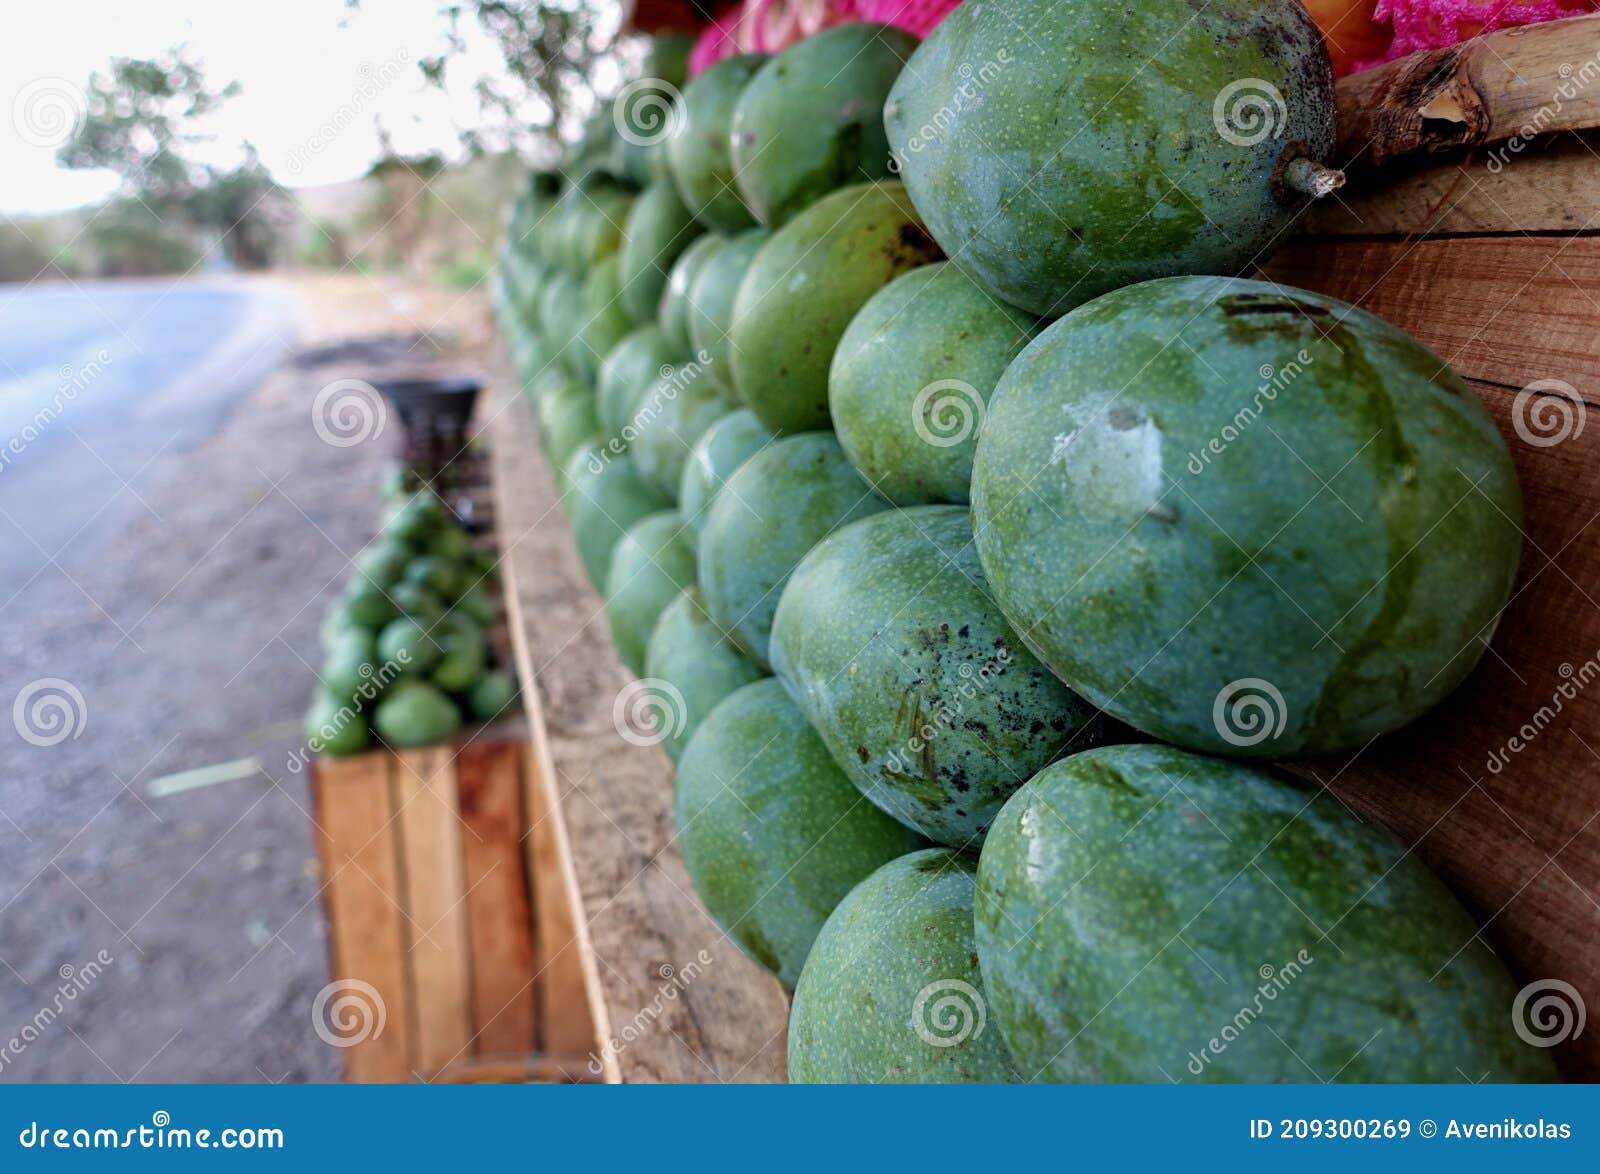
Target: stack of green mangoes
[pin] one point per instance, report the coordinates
(407, 655)
(967, 516)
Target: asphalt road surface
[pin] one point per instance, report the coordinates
(170, 526)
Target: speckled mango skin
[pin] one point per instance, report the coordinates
(659, 228)
(711, 303)
(1351, 544)
(1133, 900)
(668, 419)
(773, 509)
(721, 449)
(690, 652)
(904, 930)
(605, 496)
(674, 311)
(928, 347)
(773, 836)
(650, 565)
(630, 369)
(567, 420)
(888, 642)
(1054, 158)
(811, 119)
(805, 285)
(699, 153)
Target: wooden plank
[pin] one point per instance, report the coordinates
(500, 918)
(1536, 79)
(1510, 821)
(1551, 185)
(435, 891)
(676, 1001)
(360, 864)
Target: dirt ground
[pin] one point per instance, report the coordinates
(156, 936)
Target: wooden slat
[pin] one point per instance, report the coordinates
(1534, 79)
(500, 920)
(642, 928)
(435, 888)
(1518, 839)
(355, 820)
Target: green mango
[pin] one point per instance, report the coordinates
(694, 656)
(699, 153)
(1139, 908)
(650, 564)
(415, 518)
(605, 320)
(476, 602)
(668, 59)
(367, 606)
(773, 836)
(629, 371)
(348, 665)
(802, 289)
(888, 642)
(463, 654)
(911, 377)
(1245, 518)
(441, 576)
(451, 543)
(493, 694)
(415, 713)
(417, 600)
(673, 414)
(674, 312)
(773, 509)
(407, 644)
(811, 119)
(567, 421)
(728, 443)
(335, 727)
(560, 317)
(891, 992)
(605, 497)
(658, 230)
(1058, 151)
(711, 299)
(381, 563)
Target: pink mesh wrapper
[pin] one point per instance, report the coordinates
(771, 26)
(1435, 24)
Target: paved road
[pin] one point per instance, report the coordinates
(100, 381)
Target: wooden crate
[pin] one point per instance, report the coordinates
(432, 904)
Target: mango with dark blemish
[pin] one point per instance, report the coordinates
(1245, 518)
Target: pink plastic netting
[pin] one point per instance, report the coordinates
(1434, 24)
(770, 26)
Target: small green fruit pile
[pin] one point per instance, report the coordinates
(406, 651)
(810, 416)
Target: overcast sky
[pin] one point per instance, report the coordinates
(312, 75)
